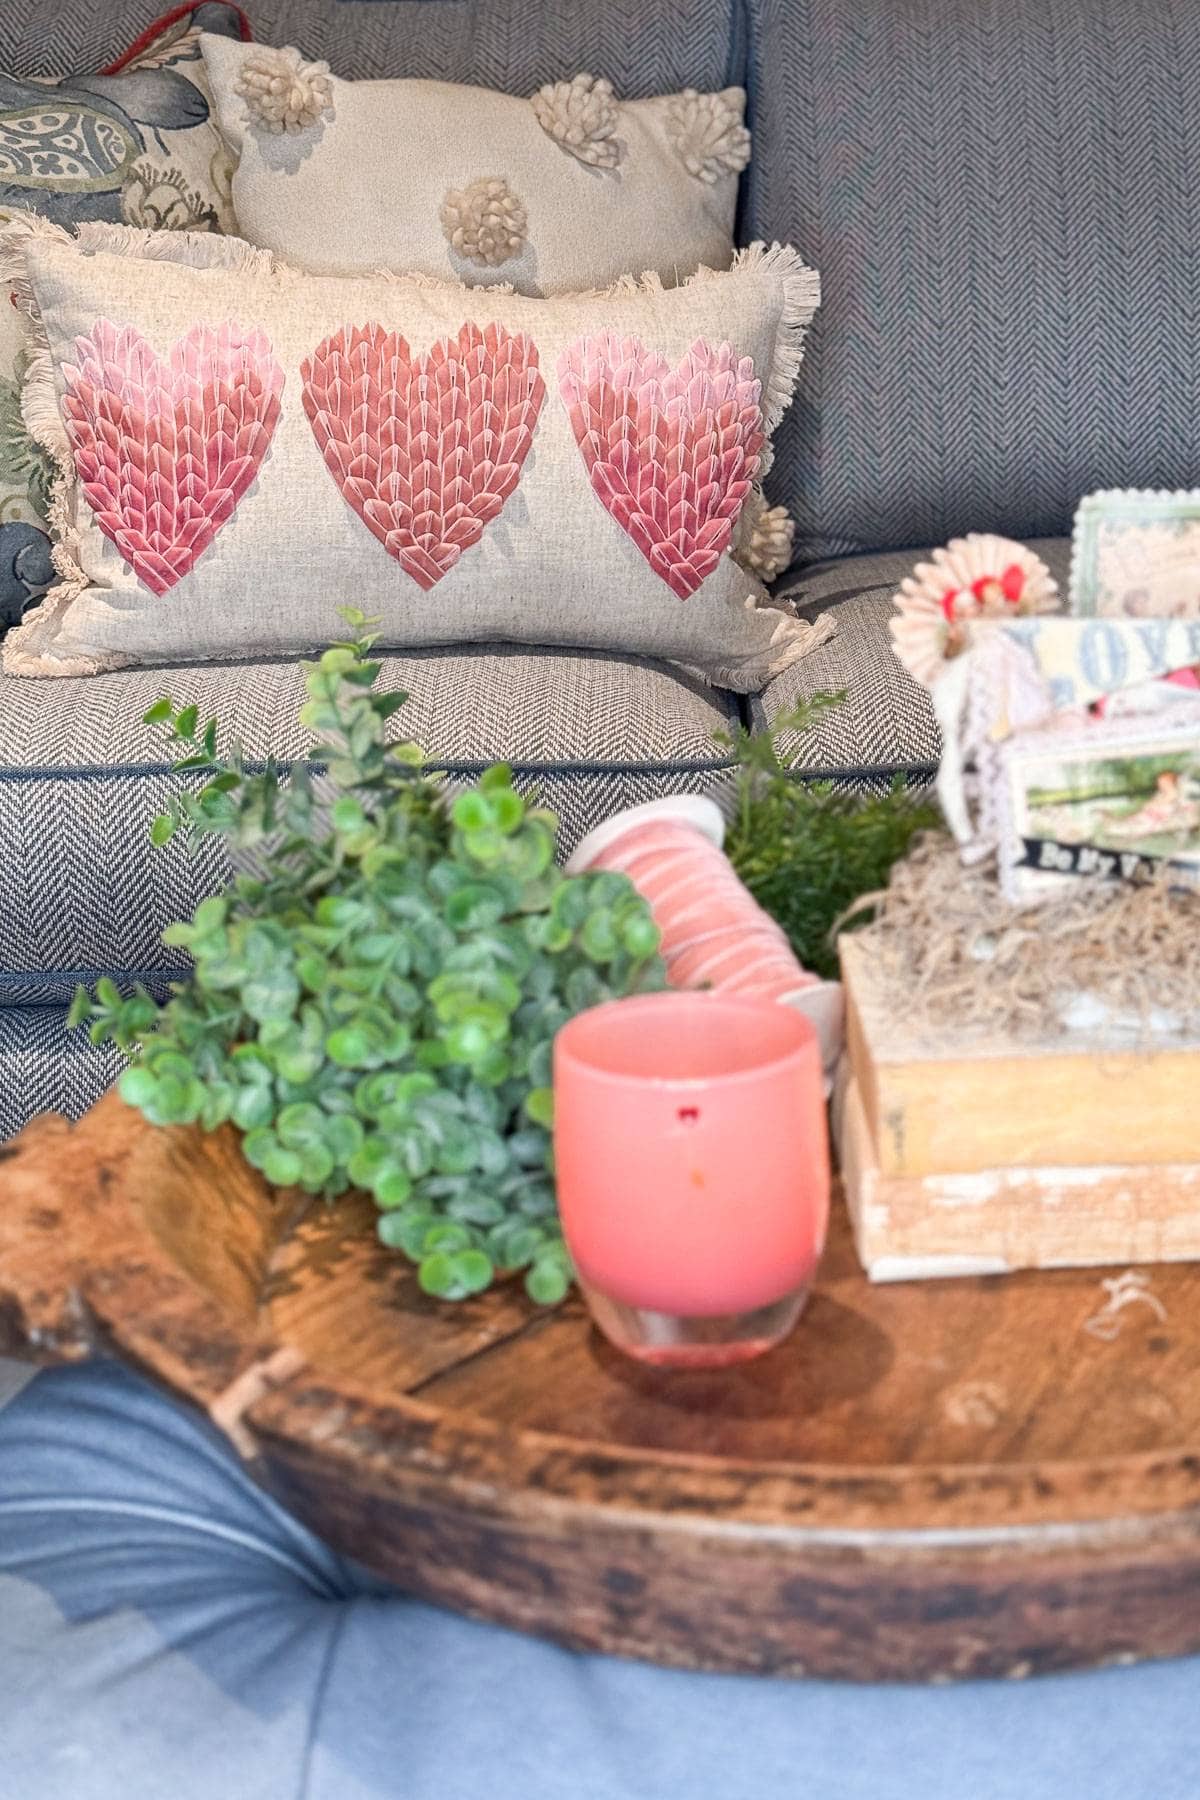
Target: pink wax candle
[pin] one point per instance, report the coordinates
(693, 1170)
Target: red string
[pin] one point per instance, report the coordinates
(160, 25)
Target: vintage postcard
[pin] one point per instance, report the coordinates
(1115, 800)
(1137, 555)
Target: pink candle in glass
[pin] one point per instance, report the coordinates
(693, 1170)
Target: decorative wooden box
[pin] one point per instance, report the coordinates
(929, 1482)
(969, 1157)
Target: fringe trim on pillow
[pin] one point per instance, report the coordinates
(418, 278)
(192, 249)
(207, 250)
(210, 250)
(801, 297)
(18, 231)
(791, 639)
(627, 287)
(795, 638)
(27, 648)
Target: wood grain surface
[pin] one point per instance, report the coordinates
(928, 1480)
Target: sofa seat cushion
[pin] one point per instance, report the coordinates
(886, 726)
(46, 1068)
(82, 892)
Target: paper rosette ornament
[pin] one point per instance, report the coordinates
(974, 578)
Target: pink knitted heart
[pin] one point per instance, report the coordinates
(427, 448)
(165, 450)
(672, 452)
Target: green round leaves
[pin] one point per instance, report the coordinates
(453, 1275)
(375, 1006)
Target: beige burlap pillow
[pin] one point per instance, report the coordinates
(241, 447)
(568, 189)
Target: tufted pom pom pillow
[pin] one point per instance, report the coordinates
(565, 189)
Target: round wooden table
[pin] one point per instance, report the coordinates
(928, 1480)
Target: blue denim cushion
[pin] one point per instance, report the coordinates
(165, 1629)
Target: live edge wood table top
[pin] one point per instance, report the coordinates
(940, 1479)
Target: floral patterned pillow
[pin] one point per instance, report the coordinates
(239, 445)
(133, 144)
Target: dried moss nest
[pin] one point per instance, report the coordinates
(959, 956)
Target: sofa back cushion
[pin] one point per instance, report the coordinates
(1003, 198)
(642, 46)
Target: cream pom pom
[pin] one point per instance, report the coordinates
(768, 534)
(484, 222)
(581, 116)
(283, 92)
(708, 134)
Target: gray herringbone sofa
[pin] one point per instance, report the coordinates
(1002, 202)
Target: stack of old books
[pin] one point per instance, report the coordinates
(963, 1156)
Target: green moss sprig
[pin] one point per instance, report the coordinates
(807, 850)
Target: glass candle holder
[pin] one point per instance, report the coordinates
(692, 1157)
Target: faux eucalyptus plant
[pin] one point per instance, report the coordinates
(375, 1005)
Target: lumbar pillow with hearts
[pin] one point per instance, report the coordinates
(238, 448)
